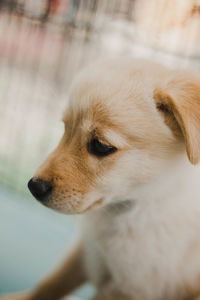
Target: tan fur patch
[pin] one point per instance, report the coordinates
(164, 106)
(70, 168)
(181, 99)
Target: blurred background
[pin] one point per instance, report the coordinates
(43, 43)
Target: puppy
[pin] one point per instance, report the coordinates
(126, 162)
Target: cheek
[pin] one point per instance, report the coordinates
(132, 169)
(78, 190)
(73, 178)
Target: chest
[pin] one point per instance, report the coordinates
(158, 249)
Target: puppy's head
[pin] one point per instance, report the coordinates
(125, 123)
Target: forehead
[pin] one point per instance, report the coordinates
(110, 96)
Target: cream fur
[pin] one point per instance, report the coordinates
(152, 250)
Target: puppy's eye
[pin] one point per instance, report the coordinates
(99, 149)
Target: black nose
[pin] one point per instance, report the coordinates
(39, 188)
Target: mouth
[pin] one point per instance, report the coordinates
(96, 204)
(50, 204)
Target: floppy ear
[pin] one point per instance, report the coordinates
(179, 103)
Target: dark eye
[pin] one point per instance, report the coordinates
(99, 149)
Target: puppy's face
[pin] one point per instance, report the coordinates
(121, 130)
